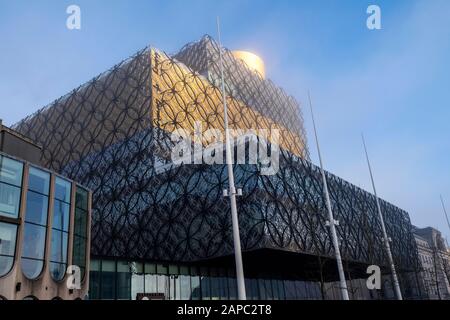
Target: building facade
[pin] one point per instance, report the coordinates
(163, 229)
(44, 226)
(435, 262)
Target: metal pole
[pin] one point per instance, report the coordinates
(331, 221)
(398, 292)
(232, 189)
(445, 211)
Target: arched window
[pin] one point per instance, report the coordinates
(30, 298)
(8, 233)
(35, 223)
(60, 229)
(80, 230)
(11, 172)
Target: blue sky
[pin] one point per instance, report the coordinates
(393, 83)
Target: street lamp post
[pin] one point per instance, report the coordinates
(386, 239)
(232, 189)
(331, 222)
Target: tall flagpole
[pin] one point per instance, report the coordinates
(386, 239)
(232, 189)
(331, 222)
(445, 211)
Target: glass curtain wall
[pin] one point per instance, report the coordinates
(60, 229)
(111, 279)
(11, 173)
(36, 216)
(80, 230)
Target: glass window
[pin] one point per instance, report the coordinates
(61, 212)
(95, 265)
(34, 242)
(9, 200)
(81, 199)
(137, 285)
(161, 269)
(275, 293)
(58, 247)
(195, 288)
(80, 229)
(174, 287)
(8, 233)
(150, 268)
(196, 292)
(38, 181)
(215, 284)
(302, 289)
(205, 284)
(62, 190)
(232, 285)
(123, 280)
(268, 289)
(11, 171)
(60, 229)
(151, 283)
(32, 268)
(281, 291)
(173, 269)
(35, 231)
(37, 208)
(262, 289)
(185, 287)
(291, 293)
(79, 253)
(108, 280)
(163, 285)
(223, 284)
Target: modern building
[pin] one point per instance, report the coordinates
(44, 226)
(435, 262)
(163, 230)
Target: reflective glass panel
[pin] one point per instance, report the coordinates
(9, 200)
(57, 270)
(205, 284)
(108, 279)
(123, 281)
(38, 181)
(59, 246)
(137, 285)
(163, 285)
(79, 253)
(6, 264)
(80, 227)
(185, 287)
(150, 283)
(81, 199)
(34, 241)
(8, 233)
(32, 268)
(37, 208)
(61, 213)
(62, 189)
(232, 288)
(195, 288)
(11, 171)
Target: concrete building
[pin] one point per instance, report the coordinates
(434, 257)
(44, 226)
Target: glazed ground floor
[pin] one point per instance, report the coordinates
(215, 280)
